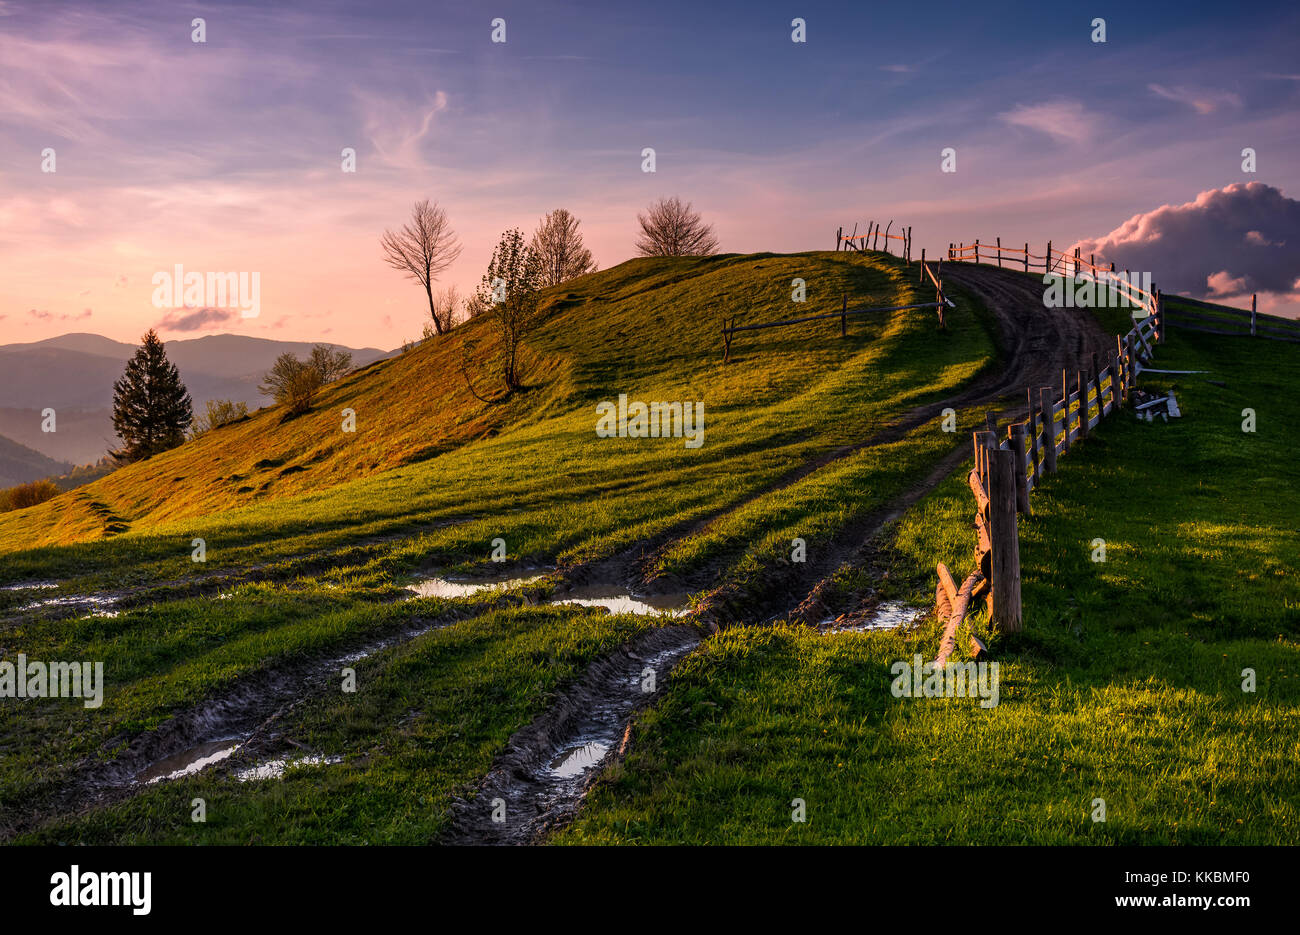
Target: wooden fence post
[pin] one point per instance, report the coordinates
(921, 272)
(1047, 399)
(1083, 405)
(839, 235)
(726, 342)
(1035, 447)
(977, 249)
(1130, 354)
(1026, 257)
(1047, 262)
(1252, 314)
(1016, 435)
(1065, 404)
(1005, 536)
(999, 253)
(1121, 368)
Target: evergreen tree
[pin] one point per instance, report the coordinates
(151, 408)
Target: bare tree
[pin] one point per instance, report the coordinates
(423, 248)
(446, 308)
(671, 228)
(557, 245)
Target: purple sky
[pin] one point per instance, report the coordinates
(225, 155)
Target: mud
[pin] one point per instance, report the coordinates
(548, 766)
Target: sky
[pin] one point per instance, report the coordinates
(226, 155)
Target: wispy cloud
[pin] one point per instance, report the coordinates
(1062, 119)
(196, 319)
(1202, 101)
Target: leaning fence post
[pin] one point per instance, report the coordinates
(1006, 610)
(1047, 397)
(839, 235)
(1047, 261)
(1016, 435)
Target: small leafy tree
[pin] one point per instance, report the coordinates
(292, 382)
(25, 495)
(509, 296)
(151, 408)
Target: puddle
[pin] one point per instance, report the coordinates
(274, 769)
(577, 761)
(620, 601)
(30, 586)
(213, 732)
(888, 615)
(98, 606)
(548, 765)
(464, 587)
(188, 762)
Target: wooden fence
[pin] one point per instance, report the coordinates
(871, 239)
(1061, 263)
(941, 303)
(1006, 471)
(1228, 321)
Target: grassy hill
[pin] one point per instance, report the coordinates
(648, 328)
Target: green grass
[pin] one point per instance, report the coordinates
(424, 723)
(1126, 684)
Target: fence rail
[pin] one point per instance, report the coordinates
(1229, 321)
(1059, 261)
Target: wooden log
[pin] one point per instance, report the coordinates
(942, 604)
(1006, 609)
(1083, 405)
(1016, 435)
(948, 644)
(946, 582)
(1047, 400)
(983, 537)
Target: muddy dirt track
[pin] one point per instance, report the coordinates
(1035, 344)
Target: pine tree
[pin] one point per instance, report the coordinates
(151, 408)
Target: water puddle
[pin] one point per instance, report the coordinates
(97, 606)
(576, 761)
(188, 762)
(30, 586)
(889, 615)
(275, 769)
(548, 765)
(465, 587)
(621, 601)
(219, 729)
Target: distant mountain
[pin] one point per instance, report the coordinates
(73, 374)
(20, 464)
